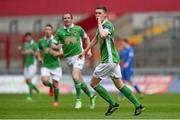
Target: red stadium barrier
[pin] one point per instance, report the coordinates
(55, 7)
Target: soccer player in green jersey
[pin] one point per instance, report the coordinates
(109, 65)
(50, 63)
(29, 51)
(71, 37)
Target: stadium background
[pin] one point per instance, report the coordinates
(152, 27)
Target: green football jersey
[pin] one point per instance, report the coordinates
(49, 60)
(108, 51)
(30, 59)
(71, 38)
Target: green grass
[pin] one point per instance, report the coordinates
(15, 106)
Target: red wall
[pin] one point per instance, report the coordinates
(52, 7)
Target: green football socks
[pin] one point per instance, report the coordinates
(56, 93)
(86, 90)
(78, 89)
(30, 89)
(104, 94)
(129, 94)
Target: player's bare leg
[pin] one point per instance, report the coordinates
(45, 81)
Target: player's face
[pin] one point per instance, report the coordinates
(100, 14)
(120, 47)
(28, 38)
(48, 31)
(122, 44)
(67, 20)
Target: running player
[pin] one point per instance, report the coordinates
(127, 66)
(71, 37)
(109, 65)
(50, 63)
(29, 51)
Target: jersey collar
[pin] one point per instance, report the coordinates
(104, 21)
(52, 36)
(69, 27)
(31, 42)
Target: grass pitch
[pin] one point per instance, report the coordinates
(166, 106)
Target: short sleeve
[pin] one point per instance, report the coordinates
(36, 48)
(82, 33)
(39, 45)
(55, 41)
(108, 28)
(57, 38)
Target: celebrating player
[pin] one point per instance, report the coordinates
(50, 61)
(29, 51)
(71, 37)
(109, 65)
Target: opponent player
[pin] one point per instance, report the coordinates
(127, 68)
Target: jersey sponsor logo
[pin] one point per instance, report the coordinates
(75, 33)
(71, 40)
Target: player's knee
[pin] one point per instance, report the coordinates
(75, 77)
(55, 84)
(27, 81)
(94, 82)
(44, 80)
(118, 83)
(93, 85)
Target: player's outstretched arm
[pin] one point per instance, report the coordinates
(39, 57)
(56, 47)
(89, 53)
(92, 43)
(56, 53)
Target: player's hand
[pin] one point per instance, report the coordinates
(47, 50)
(54, 46)
(99, 20)
(89, 54)
(40, 60)
(29, 51)
(19, 48)
(126, 65)
(81, 55)
(121, 63)
(55, 53)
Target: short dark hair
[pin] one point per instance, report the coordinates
(125, 40)
(28, 34)
(69, 14)
(102, 7)
(49, 25)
